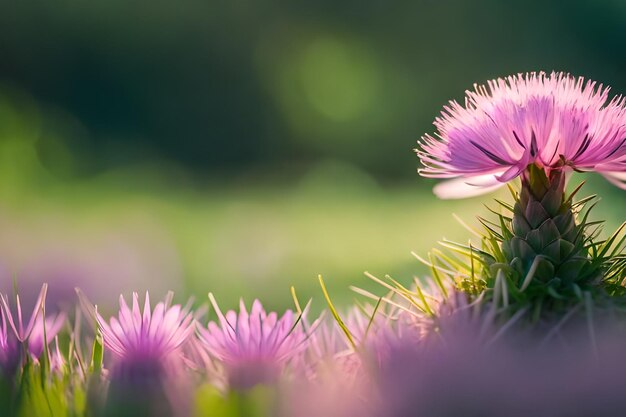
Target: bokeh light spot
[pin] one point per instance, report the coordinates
(340, 80)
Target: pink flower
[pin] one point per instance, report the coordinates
(145, 342)
(254, 347)
(555, 121)
(13, 332)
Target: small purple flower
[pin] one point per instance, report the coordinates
(145, 342)
(253, 347)
(147, 374)
(329, 351)
(556, 121)
(13, 332)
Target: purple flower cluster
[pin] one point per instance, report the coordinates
(240, 349)
(392, 359)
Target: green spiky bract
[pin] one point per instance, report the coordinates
(541, 254)
(546, 251)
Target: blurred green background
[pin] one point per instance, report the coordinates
(243, 147)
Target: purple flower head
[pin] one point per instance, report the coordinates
(327, 341)
(328, 351)
(254, 347)
(145, 343)
(14, 332)
(556, 121)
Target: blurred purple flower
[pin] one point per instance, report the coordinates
(460, 373)
(147, 375)
(328, 341)
(328, 351)
(57, 360)
(555, 121)
(145, 342)
(333, 394)
(254, 347)
(14, 332)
